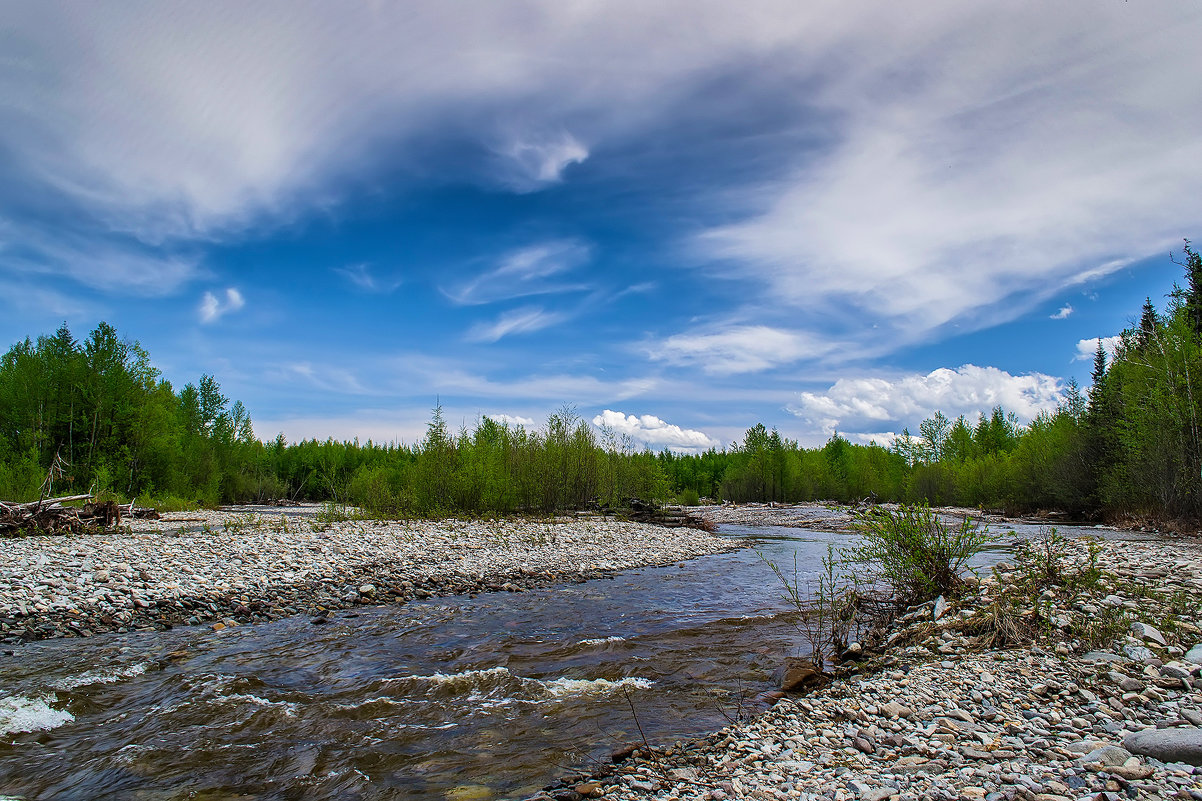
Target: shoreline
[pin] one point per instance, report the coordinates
(933, 716)
(255, 564)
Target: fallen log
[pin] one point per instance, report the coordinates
(50, 516)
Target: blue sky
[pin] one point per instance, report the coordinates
(681, 218)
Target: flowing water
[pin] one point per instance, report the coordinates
(464, 698)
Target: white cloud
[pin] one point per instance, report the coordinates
(534, 162)
(361, 275)
(1063, 312)
(213, 308)
(525, 320)
(530, 270)
(737, 349)
(855, 403)
(961, 183)
(651, 431)
(1088, 348)
(513, 420)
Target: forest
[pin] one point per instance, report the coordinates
(102, 414)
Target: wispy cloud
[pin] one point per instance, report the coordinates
(531, 270)
(212, 308)
(361, 276)
(1063, 312)
(650, 430)
(906, 400)
(518, 321)
(532, 162)
(737, 349)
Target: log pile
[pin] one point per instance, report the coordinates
(51, 516)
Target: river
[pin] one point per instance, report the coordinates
(451, 698)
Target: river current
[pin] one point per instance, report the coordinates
(450, 698)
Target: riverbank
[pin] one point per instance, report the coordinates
(254, 564)
(1099, 699)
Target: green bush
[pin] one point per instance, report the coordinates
(689, 497)
(912, 552)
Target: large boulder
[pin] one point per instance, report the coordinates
(1168, 745)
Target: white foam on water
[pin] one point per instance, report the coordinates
(458, 678)
(99, 677)
(21, 714)
(528, 690)
(602, 640)
(288, 707)
(560, 688)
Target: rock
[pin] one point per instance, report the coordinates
(1107, 755)
(1130, 685)
(1137, 653)
(1194, 655)
(1168, 745)
(894, 710)
(469, 792)
(800, 672)
(623, 753)
(1146, 632)
(590, 789)
(940, 608)
(863, 745)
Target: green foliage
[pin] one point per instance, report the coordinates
(913, 552)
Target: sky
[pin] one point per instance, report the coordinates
(677, 218)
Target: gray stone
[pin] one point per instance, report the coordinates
(1167, 745)
(1146, 632)
(1107, 755)
(941, 607)
(1137, 653)
(1194, 655)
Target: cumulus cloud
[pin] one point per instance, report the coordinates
(518, 321)
(859, 403)
(213, 308)
(649, 430)
(737, 349)
(532, 270)
(1088, 348)
(1063, 312)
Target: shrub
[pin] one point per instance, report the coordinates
(912, 552)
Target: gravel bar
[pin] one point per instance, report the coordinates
(252, 564)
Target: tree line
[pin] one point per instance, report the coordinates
(1130, 444)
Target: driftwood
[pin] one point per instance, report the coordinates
(50, 516)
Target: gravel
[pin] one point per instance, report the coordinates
(251, 564)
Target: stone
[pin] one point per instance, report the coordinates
(1194, 655)
(589, 789)
(940, 608)
(1107, 755)
(1137, 653)
(1146, 632)
(1168, 745)
(798, 673)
